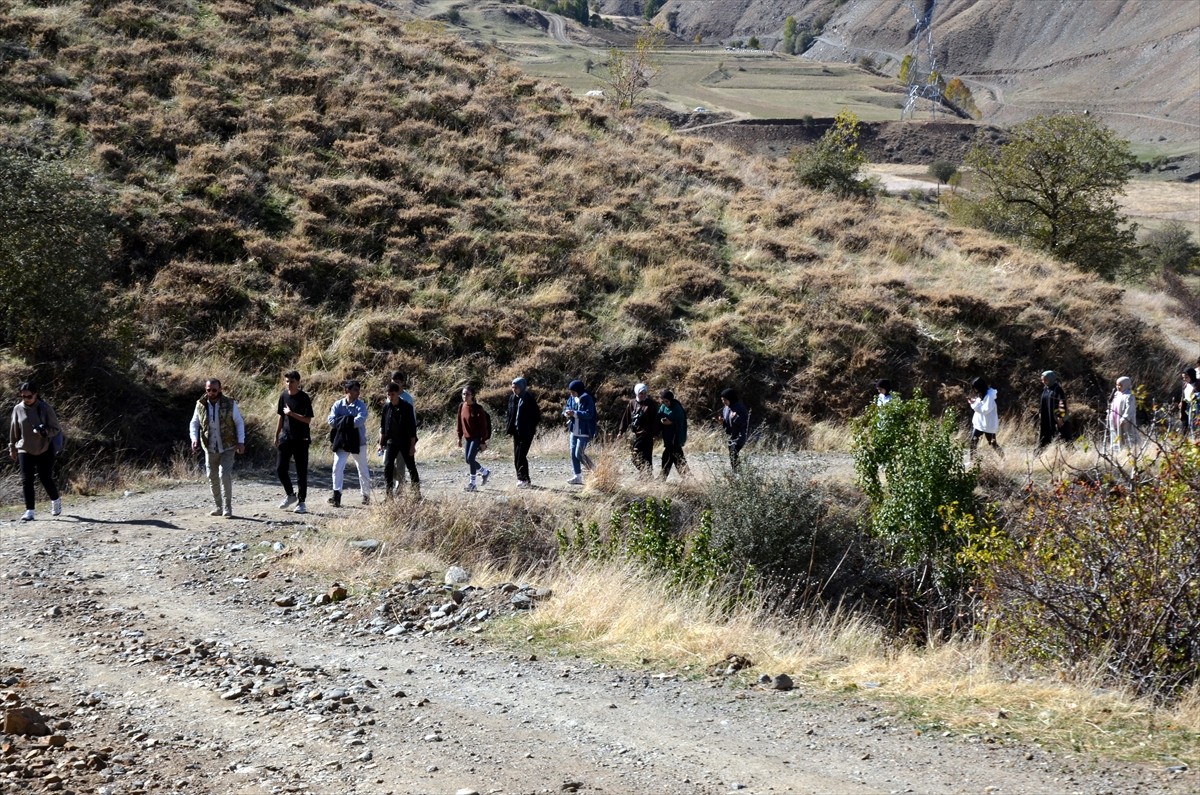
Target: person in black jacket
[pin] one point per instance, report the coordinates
(735, 419)
(398, 437)
(641, 417)
(523, 418)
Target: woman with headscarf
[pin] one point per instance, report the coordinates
(1122, 416)
(1053, 419)
(641, 417)
(580, 413)
(985, 417)
(735, 419)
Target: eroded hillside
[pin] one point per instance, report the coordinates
(332, 187)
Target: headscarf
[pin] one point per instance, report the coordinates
(885, 385)
(639, 389)
(1051, 377)
(519, 383)
(980, 386)
(576, 386)
(1125, 384)
(729, 394)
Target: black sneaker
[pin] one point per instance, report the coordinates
(335, 499)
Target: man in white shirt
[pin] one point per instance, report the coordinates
(217, 424)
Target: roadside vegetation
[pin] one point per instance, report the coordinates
(329, 187)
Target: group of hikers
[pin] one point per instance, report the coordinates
(218, 430)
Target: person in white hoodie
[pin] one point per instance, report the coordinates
(1122, 416)
(985, 417)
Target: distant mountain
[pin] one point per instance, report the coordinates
(1132, 61)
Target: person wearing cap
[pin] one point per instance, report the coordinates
(580, 413)
(673, 420)
(1053, 418)
(641, 418)
(523, 418)
(735, 419)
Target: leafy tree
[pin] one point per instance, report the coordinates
(651, 8)
(789, 36)
(753, 43)
(1055, 184)
(834, 162)
(1170, 248)
(911, 468)
(54, 259)
(943, 171)
(631, 72)
(959, 95)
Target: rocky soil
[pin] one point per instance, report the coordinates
(147, 647)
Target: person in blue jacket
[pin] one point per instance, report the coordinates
(580, 413)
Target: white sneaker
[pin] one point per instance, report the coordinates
(300, 508)
(228, 512)
(575, 481)
(215, 512)
(56, 507)
(484, 474)
(27, 516)
(288, 500)
(524, 484)
(470, 487)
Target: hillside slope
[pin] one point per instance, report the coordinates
(1132, 61)
(330, 187)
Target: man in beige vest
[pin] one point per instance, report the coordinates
(217, 425)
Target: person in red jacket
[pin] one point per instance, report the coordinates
(474, 430)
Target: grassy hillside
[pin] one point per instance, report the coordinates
(326, 186)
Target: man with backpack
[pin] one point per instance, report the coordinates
(217, 427)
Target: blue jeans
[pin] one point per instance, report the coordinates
(580, 459)
(470, 450)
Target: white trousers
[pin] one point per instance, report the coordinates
(360, 462)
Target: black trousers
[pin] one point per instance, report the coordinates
(736, 443)
(521, 445)
(393, 451)
(289, 450)
(673, 456)
(41, 466)
(641, 452)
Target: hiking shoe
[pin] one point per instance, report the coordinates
(215, 512)
(287, 501)
(366, 499)
(300, 508)
(27, 516)
(335, 499)
(575, 481)
(55, 507)
(484, 474)
(470, 487)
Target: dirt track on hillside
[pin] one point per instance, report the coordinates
(148, 633)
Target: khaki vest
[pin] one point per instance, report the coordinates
(225, 426)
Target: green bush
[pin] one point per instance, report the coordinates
(911, 468)
(1103, 571)
(833, 163)
(54, 259)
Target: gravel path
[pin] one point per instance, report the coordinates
(158, 646)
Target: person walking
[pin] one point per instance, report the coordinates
(1122, 417)
(398, 438)
(400, 378)
(735, 419)
(1053, 417)
(474, 431)
(985, 416)
(292, 440)
(641, 418)
(523, 418)
(31, 432)
(218, 427)
(580, 412)
(348, 437)
(1189, 403)
(673, 420)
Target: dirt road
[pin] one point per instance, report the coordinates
(160, 648)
